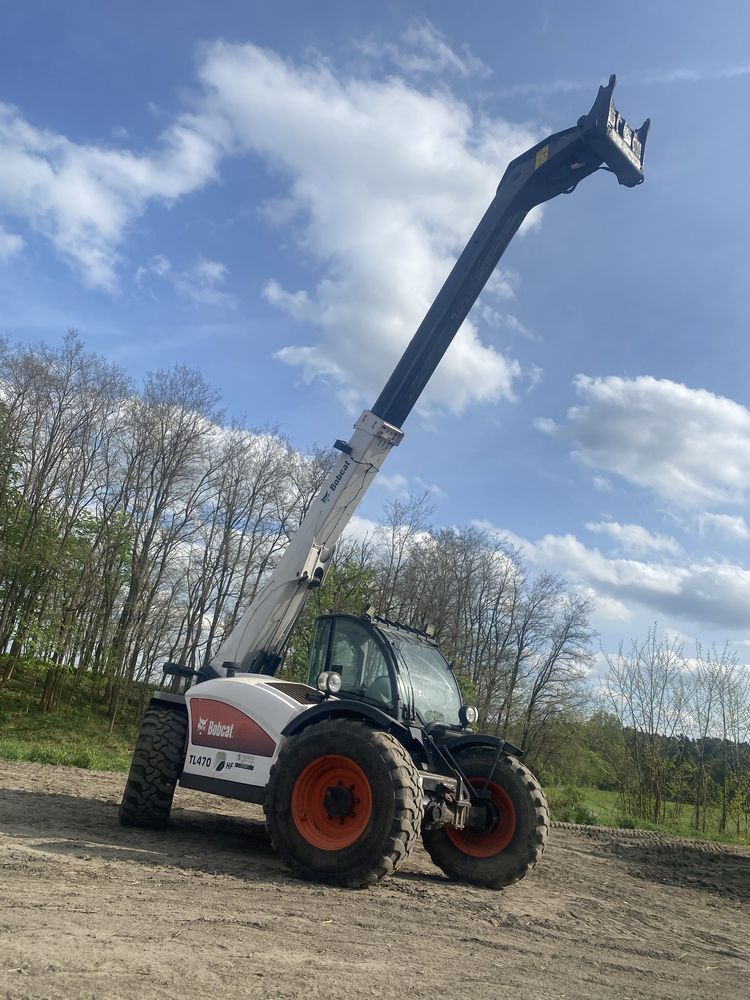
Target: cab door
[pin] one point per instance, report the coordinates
(349, 647)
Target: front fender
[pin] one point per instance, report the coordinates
(347, 708)
(475, 741)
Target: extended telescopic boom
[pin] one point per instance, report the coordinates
(602, 139)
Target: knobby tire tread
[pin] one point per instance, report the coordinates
(157, 763)
(518, 859)
(407, 816)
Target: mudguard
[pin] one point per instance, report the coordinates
(346, 708)
(165, 699)
(473, 741)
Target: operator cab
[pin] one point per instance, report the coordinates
(391, 666)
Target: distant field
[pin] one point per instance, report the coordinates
(607, 810)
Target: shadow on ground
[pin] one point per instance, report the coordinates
(88, 827)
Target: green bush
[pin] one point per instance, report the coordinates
(625, 823)
(43, 755)
(582, 814)
(9, 750)
(564, 799)
(568, 805)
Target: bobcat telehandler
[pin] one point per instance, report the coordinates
(377, 748)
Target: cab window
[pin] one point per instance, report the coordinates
(357, 656)
(319, 650)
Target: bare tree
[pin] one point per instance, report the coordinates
(646, 691)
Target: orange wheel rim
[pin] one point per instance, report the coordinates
(332, 802)
(484, 844)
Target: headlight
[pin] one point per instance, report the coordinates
(329, 682)
(468, 715)
(333, 683)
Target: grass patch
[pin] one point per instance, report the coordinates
(73, 755)
(73, 736)
(568, 801)
(567, 805)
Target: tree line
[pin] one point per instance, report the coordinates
(674, 732)
(137, 523)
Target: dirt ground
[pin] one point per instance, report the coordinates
(204, 909)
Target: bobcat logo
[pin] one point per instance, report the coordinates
(202, 723)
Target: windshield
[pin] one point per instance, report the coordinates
(436, 695)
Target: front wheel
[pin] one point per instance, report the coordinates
(344, 803)
(515, 838)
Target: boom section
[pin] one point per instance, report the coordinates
(552, 167)
(258, 639)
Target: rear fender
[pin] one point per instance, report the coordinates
(235, 731)
(165, 699)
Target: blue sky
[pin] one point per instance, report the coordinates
(273, 193)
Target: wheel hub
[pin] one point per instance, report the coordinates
(338, 800)
(484, 817)
(332, 802)
(496, 827)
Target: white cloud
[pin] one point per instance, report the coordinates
(608, 608)
(203, 284)
(508, 321)
(423, 50)
(728, 525)
(545, 425)
(690, 446)
(361, 529)
(382, 181)
(684, 74)
(82, 197)
(10, 244)
(200, 283)
(406, 486)
(397, 483)
(661, 77)
(297, 304)
(715, 594)
(385, 183)
(635, 539)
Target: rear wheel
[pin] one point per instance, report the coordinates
(514, 839)
(157, 763)
(344, 803)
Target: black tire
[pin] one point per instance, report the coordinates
(526, 836)
(391, 787)
(157, 764)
